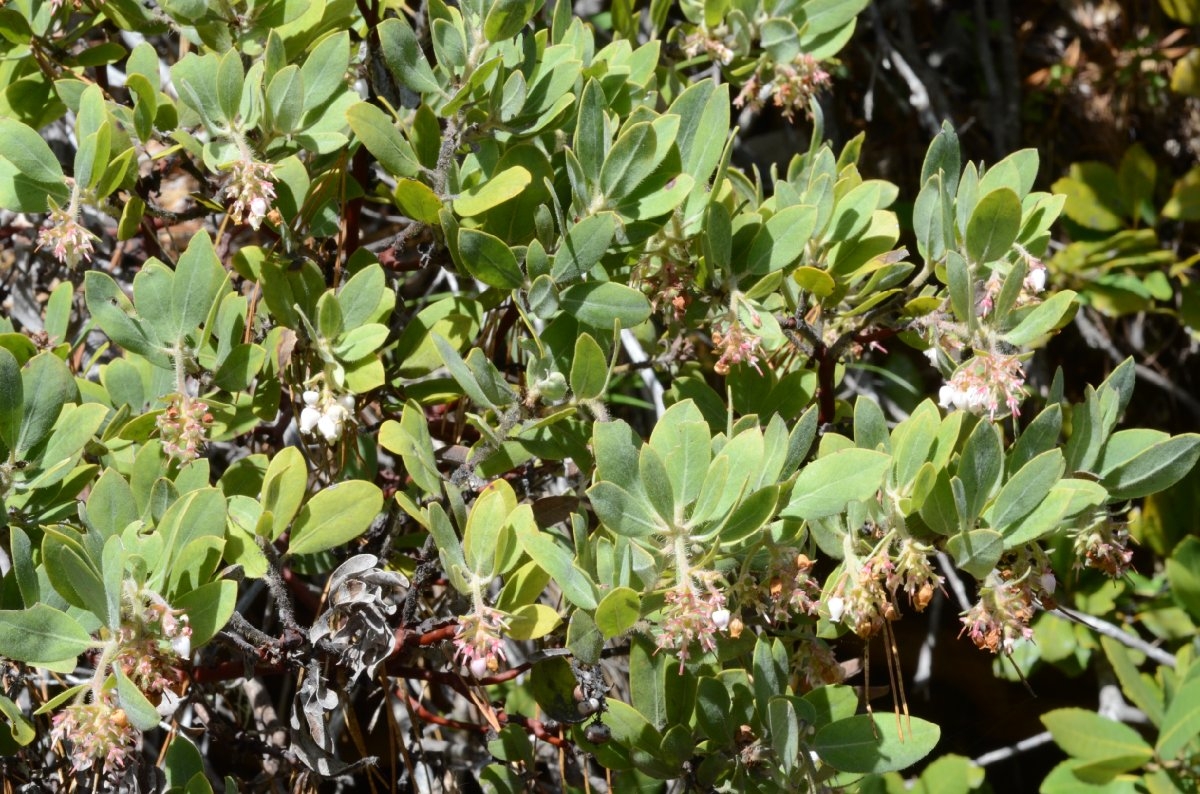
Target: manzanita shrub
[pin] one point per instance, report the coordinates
(409, 375)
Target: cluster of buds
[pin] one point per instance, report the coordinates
(790, 86)
(711, 43)
(65, 236)
(737, 346)
(1002, 614)
(693, 615)
(861, 599)
(326, 413)
(182, 426)
(985, 383)
(98, 734)
(250, 188)
(479, 643)
(1102, 544)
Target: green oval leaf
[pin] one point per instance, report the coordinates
(379, 134)
(828, 484)
(334, 516)
(41, 633)
(589, 368)
(28, 152)
(12, 399)
(209, 607)
(872, 744)
(994, 225)
(601, 303)
(582, 247)
(576, 585)
(489, 259)
(623, 512)
(1049, 315)
(1155, 469)
(492, 192)
(1087, 736)
(618, 612)
(47, 379)
(140, 711)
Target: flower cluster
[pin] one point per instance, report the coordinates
(66, 237)
(691, 615)
(790, 86)
(98, 733)
(737, 346)
(914, 574)
(710, 42)
(182, 426)
(250, 188)
(1002, 614)
(1102, 545)
(985, 383)
(479, 643)
(152, 640)
(788, 588)
(861, 599)
(326, 413)
(669, 287)
(815, 663)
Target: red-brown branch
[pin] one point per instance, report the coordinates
(536, 728)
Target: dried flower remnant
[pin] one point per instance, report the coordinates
(914, 573)
(98, 734)
(1001, 615)
(790, 86)
(710, 42)
(669, 291)
(182, 426)
(250, 188)
(65, 236)
(786, 589)
(355, 620)
(815, 663)
(1102, 544)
